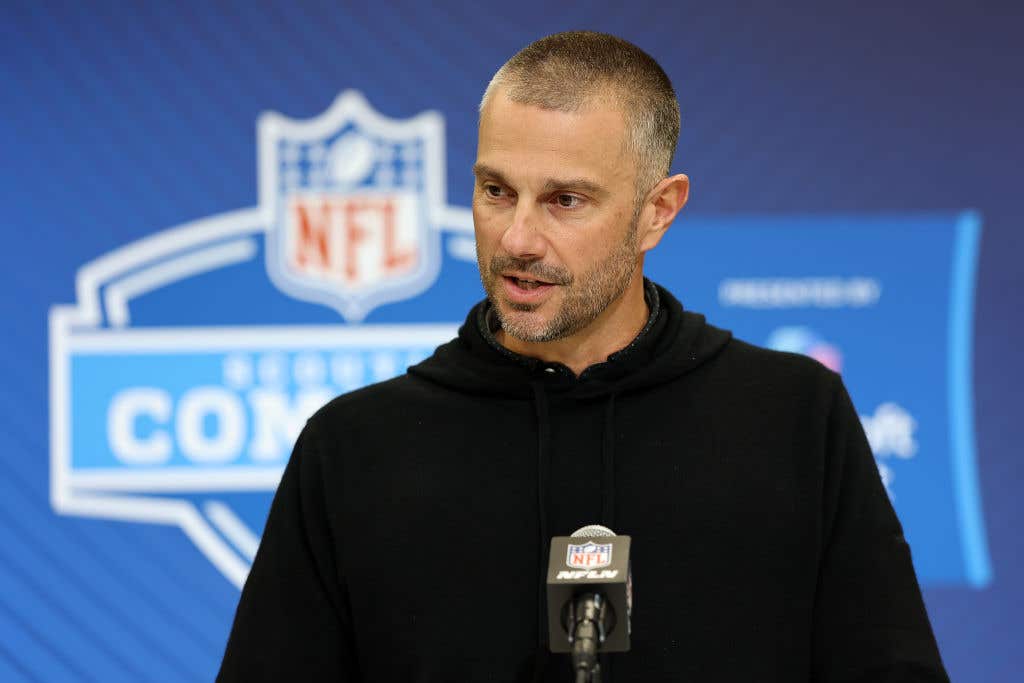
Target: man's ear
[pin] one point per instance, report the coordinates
(660, 208)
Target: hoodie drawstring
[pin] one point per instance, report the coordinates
(540, 400)
(608, 494)
(608, 466)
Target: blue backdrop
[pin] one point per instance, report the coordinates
(185, 276)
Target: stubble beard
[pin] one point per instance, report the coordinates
(584, 298)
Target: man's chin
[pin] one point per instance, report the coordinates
(523, 322)
(520, 307)
(505, 307)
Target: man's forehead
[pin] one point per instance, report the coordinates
(586, 144)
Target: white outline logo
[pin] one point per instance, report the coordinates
(99, 325)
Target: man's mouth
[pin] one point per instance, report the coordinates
(524, 283)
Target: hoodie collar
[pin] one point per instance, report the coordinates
(671, 343)
(488, 324)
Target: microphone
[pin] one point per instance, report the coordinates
(590, 597)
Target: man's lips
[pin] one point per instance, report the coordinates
(522, 288)
(526, 278)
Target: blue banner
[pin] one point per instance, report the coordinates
(887, 301)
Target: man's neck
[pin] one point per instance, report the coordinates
(612, 330)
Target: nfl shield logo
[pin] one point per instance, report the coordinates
(353, 203)
(590, 555)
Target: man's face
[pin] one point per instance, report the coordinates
(553, 208)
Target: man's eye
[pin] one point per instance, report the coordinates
(567, 201)
(493, 191)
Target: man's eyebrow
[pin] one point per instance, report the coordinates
(485, 171)
(550, 185)
(584, 184)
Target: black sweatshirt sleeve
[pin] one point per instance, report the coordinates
(870, 622)
(292, 620)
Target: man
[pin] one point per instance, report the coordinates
(408, 537)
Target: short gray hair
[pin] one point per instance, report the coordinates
(566, 71)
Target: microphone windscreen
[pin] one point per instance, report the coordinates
(592, 531)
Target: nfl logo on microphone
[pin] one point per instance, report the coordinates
(590, 555)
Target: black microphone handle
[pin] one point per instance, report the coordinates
(588, 615)
(593, 677)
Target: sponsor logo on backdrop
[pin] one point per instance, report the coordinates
(890, 430)
(807, 342)
(161, 413)
(891, 434)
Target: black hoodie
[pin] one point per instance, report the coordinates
(408, 538)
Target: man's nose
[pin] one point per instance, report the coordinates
(524, 238)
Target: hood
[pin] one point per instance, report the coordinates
(673, 343)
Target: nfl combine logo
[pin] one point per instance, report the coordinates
(180, 379)
(590, 555)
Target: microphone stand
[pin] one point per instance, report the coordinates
(587, 616)
(592, 677)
